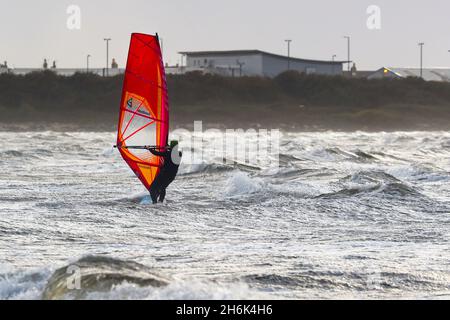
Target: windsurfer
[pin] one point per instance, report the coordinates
(171, 158)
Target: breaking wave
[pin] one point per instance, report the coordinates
(108, 278)
(372, 182)
(98, 274)
(337, 154)
(240, 183)
(204, 167)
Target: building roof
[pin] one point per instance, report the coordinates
(428, 74)
(253, 52)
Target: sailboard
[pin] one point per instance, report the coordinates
(144, 109)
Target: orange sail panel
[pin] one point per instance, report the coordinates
(144, 109)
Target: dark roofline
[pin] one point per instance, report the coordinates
(252, 52)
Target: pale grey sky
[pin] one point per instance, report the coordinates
(33, 30)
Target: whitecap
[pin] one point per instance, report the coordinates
(241, 183)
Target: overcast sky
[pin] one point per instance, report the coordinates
(33, 30)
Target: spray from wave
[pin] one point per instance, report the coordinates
(106, 278)
(240, 183)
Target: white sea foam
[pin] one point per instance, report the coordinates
(240, 183)
(30, 286)
(181, 290)
(22, 285)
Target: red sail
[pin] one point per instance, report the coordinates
(144, 109)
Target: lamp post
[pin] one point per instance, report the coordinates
(448, 51)
(288, 41)
(333, 58)
(107, 54)
(348, 52)
(421, 44)
(87, 63)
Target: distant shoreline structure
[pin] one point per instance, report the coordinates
(65, 71)
(112, 72)
(438, 74)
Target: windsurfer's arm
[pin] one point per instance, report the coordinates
(157, 153)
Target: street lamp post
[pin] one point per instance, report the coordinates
(421, 44)
(288, 41)
(87, 63)
(333, 58)
(348, 52)
(448, 51)
(107, 54)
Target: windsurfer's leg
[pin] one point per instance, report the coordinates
(154, 194)
(162, 194)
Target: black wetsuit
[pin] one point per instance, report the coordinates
(166, 175)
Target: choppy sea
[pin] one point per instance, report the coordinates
(344, 215)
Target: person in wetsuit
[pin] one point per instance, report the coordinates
(171, 161)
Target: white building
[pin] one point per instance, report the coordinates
(428, 74)
(255, 63)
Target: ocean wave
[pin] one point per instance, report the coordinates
(107, 278)
(364, 177)
(138, 197)
(400, 139)
(25, 285)
(98, 274)
(271, 279)
(46, 135)
(241, 166)
(68, 148)
(108, 152)
(43, 152)
(306, 280)
(211, 168)
(328, 154)
(400, 190)
(16, 198)
(337, 154)
(348, 192)
(366, 182)
(288, 158)
(204, 167)
(365, 156)
(282, 175)
(420, 172)
(12, 154)
(53, 205)
(368, 280)
(181, 290)
(240, 183)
